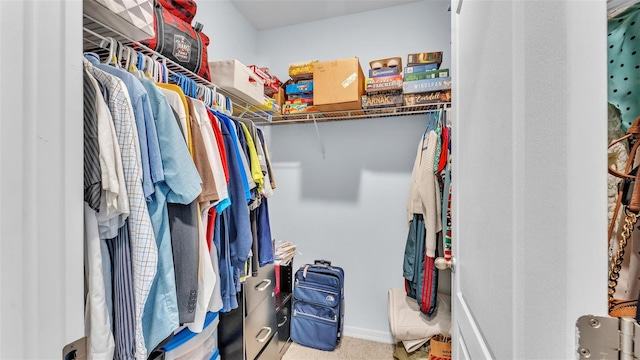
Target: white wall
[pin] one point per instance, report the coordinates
(349, 207)
(41, 252)
(232, 36)
(394, 31)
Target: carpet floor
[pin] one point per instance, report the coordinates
(349, 349)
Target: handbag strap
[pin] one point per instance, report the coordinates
(616, 263)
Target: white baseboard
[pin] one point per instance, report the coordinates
(366, 334)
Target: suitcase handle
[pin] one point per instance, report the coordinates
(322, 262)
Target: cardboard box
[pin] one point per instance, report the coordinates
(427, 98)
(339, 85)
(387, 71)
(382, 100)
(426, 85)
(233, 76)
(427, 75)
(425, 58)
(300, 88)
(420, 68)
(279, 97)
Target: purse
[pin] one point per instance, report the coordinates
(629, 199)
(177, 40)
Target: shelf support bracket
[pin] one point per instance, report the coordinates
(315, 124)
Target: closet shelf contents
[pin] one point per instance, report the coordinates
(95, 32)
(285, 251)
(370, 113)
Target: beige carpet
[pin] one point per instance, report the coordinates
(349, 349)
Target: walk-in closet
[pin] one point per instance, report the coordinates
(528, 205)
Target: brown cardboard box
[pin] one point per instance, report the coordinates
(279, 96)
(338, 85)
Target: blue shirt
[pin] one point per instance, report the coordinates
(152, 170)
(230, 125)
(182, 185)
(239, 228)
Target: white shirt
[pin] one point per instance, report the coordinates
(178, 106)
(97, 322)
(114, 202)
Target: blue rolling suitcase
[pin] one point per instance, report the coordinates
(318, 305)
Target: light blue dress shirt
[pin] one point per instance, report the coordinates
(152, 170)
(182, 184)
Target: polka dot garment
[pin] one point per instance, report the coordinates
(623, 43)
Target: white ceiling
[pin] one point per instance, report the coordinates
(268, 14)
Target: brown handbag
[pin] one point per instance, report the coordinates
(629, 199)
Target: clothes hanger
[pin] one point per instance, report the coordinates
(110, 44)
(166, 70)
(119, 54)
(148, 69)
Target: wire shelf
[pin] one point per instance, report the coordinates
(95, 31)
(370, 113)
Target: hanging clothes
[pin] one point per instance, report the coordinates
(181, 185)
(144, 256)
(168, 189)
(425, 215)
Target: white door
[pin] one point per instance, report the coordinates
(529, 175)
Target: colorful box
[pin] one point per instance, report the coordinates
(420, 68)
(387, 71)
(426, 85)
(424, 58)
(301, 87)
(271, 89)
(300, 96)
(302, 70)
(385, 83)
(382, 100)
(339, 85)
(427, 98)
(288, 109)
(299, 101)
(427, 75)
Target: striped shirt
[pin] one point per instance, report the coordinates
(144, 252)
(92, 175)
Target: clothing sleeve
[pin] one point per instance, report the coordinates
(180, 173)
(155, 159)
(256, 170)
(201, 161)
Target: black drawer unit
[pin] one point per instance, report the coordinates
(283, 316)
(259, 328)
(270, 352)
(258, 288)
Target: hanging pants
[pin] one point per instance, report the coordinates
(419, 271)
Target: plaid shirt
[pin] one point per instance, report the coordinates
(144, 251)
